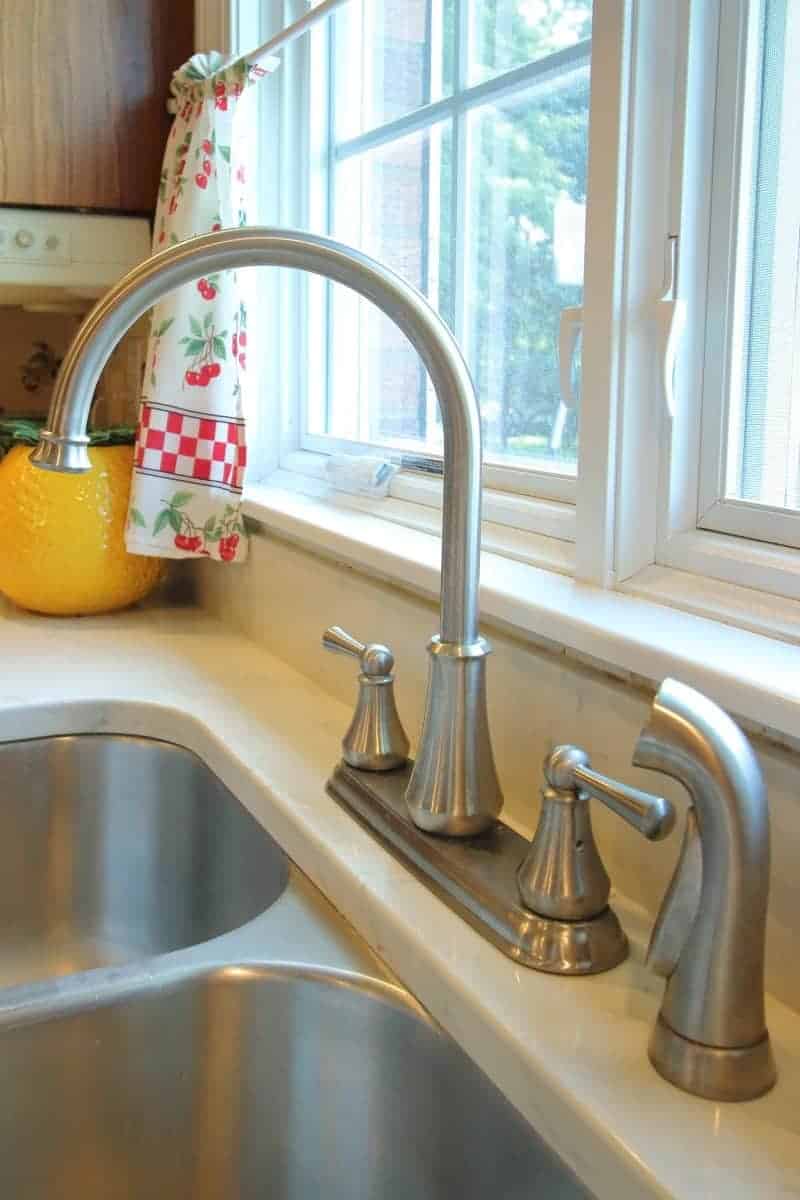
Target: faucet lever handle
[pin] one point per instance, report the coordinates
(341, 642)
(569, 767)
(375, 658)
(376, 740)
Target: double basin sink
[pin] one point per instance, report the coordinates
(183, 1015)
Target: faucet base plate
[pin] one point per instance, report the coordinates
(713, 1072)
(477, 878)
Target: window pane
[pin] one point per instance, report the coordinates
(525, 265)
(509, 33)
(394, 203)
(484, 211)
(391, 56)
(764, 413)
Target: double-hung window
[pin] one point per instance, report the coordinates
(601, 200)
(448, 139)
(455, 152)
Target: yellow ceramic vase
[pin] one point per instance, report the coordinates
(62, 545)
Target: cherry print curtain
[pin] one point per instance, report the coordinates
(191, 452)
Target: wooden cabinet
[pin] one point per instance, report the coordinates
(83, 89)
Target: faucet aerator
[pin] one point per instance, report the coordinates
(66, 456)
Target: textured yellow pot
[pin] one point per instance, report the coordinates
(62, 547)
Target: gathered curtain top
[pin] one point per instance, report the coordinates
(215, 75)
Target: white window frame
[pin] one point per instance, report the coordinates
(541, 481)
(729, 263)
(697, 529)
(541, 501)
(638, 490)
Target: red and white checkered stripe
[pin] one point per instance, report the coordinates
(206, 449)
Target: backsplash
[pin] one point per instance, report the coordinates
(24, 333)
(285, 596)
(21, 334)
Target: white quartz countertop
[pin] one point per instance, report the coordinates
(571, 1054)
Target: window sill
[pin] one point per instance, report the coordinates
(639, 635)
(553, 519)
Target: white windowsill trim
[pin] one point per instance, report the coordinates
(756, 677)
(549, 517)
(404, 509)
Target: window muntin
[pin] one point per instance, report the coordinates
(477, 195)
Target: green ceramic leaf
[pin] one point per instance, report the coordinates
(219, 348)
(115, 435)
(137, 518)
(25, 431)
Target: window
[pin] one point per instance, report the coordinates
(454, 150)
(451, 139)
(751, 481)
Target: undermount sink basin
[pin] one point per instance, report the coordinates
(114, 849)
(249, 1082)
(218, 1073)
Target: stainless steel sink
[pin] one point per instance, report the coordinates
(183, 1014)
(114, 849)
(250, 1082)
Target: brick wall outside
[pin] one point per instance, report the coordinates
(398, 182)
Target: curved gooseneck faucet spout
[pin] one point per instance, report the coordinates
(454, 788)
(711, 1036)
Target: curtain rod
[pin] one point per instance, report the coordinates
(292, 31)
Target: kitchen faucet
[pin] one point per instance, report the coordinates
(544, 904)
(453, 788)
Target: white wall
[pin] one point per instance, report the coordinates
(538, 697)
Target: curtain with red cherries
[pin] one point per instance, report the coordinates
(191, 448)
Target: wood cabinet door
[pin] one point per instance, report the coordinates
(83, 89)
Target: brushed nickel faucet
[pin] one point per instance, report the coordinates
(562, 880)
(708, 940)
(544, 905)
(453, 788)
(375, 740)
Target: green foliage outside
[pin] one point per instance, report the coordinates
(525, 152)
